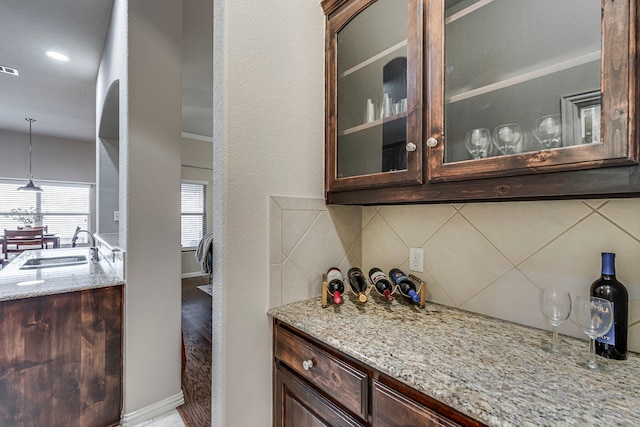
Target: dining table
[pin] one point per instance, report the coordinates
(51, 240)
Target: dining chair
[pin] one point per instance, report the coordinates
(16, 241)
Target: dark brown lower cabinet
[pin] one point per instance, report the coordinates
(390, 408)
(61, 359)
(298, 404)
(316, 385)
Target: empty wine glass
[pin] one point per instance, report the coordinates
(555, 305)
(595, 316)
(507, 138)
(548, 130)
(477, 142)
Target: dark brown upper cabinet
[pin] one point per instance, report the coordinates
(517, 87)
(465, 100)
(374, 94)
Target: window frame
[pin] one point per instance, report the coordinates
(38, 204)
(204, 185)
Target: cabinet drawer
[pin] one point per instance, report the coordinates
(392, 408)
(344, 384)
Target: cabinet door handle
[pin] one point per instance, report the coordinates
(411, 146)
(307, 364)
(432, 142)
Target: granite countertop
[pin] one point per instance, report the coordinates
(491, 370)
(16, 283)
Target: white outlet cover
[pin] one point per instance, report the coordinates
(416, 259)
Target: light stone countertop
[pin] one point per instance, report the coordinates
(16, 283)
(491, 370)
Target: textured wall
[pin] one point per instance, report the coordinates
(268, 139)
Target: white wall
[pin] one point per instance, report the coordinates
(53, 159)
(143, 52)
(268, 139)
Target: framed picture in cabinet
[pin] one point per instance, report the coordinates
(581, 118)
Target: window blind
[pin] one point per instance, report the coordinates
(63, 206)
(193, 213)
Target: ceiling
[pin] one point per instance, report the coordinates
(61, 95)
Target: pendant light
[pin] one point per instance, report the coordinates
(30, 186)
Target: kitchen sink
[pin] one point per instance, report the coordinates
(61, 261)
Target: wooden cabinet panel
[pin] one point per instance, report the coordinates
(60, 359)
(337, 379)
(382, 149)
(297, 405)
(389, 408)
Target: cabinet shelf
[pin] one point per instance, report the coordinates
(524, 77)
(372, 124)
(467, 10)
(374, 58)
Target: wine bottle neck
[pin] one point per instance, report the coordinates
(608, 264)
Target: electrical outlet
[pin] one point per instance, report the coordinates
(416, 259)
(116, 215)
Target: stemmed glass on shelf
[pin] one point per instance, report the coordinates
(595, 317)
(555, 305)
(507, 138)
(477, 142)
(548, 131)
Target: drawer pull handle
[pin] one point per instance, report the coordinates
(307, 364)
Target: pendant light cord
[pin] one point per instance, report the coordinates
(30, 120)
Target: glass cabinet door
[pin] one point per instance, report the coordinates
(374, 94)
(523, 88)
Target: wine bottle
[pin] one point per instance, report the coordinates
(335, 285)
(358, 283)
(614, 343)
(382, 284)
(407, 287)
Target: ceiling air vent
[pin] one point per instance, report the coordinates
(8, 70)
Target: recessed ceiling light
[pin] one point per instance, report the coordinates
(56, 55)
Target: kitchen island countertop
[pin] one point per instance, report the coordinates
(16, 283)
(491, 370)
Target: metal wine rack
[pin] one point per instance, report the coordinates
(421, 285)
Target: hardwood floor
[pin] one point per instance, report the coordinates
(196, 329)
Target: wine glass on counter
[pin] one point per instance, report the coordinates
(507, 138)
(548, 130)
(477, 142)
(594, 316)
(555, 305)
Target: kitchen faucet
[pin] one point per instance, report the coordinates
(93, 248)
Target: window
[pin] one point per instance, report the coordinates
(193, 213)
(62, 206)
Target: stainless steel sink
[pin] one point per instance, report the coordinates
(61, 261)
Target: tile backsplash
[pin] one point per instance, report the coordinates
(306, 238)
(489, 258)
